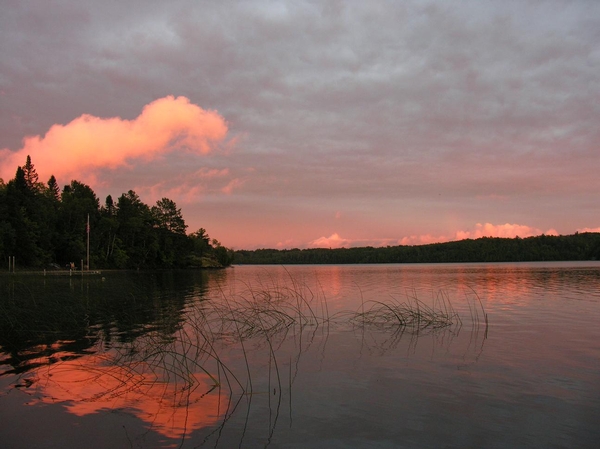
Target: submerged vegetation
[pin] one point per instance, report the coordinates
(42, 227)
(580, 246)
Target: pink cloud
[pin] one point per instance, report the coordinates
(589, 229)
(211, 173)
(507, 230)
(333, 241)
(424, 239)
(233, 184)
(88, 143)
(185, 192)
(188, 187)
(289, 243)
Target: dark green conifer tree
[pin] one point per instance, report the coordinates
(31, 176)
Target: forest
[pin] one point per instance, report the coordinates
(583, 246)
(44, 227)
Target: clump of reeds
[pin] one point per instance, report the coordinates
(412, 314)
(264, 312)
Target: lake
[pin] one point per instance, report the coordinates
(320, 356)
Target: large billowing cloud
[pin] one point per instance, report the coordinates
(88, 143)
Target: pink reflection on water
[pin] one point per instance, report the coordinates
(173, 404)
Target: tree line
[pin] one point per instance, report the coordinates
(580, 246)
(42, 227)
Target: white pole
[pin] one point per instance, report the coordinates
(88, 243)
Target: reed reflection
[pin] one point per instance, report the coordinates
(183, 354)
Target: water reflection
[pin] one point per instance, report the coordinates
(40, 317)
(256, 357)
(108, 344)
(181, 359)
(166, 402)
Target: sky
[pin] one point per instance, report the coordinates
(298, 124)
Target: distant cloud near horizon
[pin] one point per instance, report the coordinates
(582, 230)
(87, 144)
(333, 241)
(507, 230)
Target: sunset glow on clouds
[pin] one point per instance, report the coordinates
(89, 143)
(589, 230)
(333, 241)
(506, 230)
(315, 124)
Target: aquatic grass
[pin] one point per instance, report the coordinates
(412, 314)
(262, 312)
(209, 332)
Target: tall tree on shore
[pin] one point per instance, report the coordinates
(53, 189)
(170, 226)
(77, 201)
(200, 242)
(108, 226)
(167, 216)
(136, 230)
(31, 176)
(28, 215)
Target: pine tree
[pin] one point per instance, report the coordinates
(31, 176)
(168, 217)
(53, 188)
(20, 180)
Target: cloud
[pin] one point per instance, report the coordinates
(289, 243)
(233, 184)
(398, 114)
(589, 229)
(423, 239)
(333, 241)
(506, 230)
(188, 187)
(88, 144)
(336, 241)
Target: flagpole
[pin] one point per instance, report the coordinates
(88, 242)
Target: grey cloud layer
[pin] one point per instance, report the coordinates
(332, 100)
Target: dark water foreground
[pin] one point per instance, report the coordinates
(315, 356)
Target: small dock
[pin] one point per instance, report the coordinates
(54, 273)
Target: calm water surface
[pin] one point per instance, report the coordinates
(281, 357)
